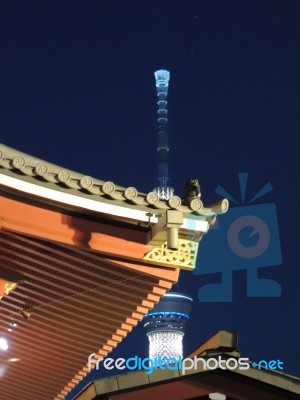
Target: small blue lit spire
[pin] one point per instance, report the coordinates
(162, 78)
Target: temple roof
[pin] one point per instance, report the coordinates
(82, 261)
(62, 185)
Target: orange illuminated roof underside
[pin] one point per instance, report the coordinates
(82, 286)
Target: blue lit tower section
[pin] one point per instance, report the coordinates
(162, 84)
(165, 325)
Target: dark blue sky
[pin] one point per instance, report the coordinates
(77, 89)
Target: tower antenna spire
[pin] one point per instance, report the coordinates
(162, 78)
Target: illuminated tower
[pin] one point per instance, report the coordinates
(165, 325)
(162, 84)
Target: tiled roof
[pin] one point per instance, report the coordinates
(72, 284)
(70, 267)
(23, 166)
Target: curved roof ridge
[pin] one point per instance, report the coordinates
(41, 172)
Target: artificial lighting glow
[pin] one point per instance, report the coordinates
(178, 296)
(3, 344)
(167, 314)
(71, 199)
(3, 369)
(165, 345)
(217, 396)
(13, 359)
(14, 324)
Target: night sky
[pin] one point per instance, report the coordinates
(77, 90)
